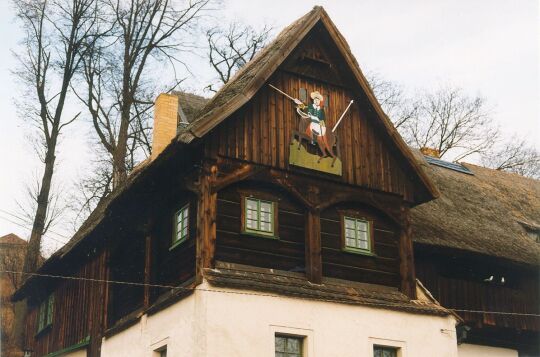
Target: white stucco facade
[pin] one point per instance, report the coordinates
(469, 350)
(226, 322)
(78, 353)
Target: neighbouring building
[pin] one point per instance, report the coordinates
(12, 252)
(278, 219)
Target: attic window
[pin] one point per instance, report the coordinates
(259, 217)
(532, 230)
(357, 236)
(454, 166)
(302, 95)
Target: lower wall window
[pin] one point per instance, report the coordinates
(385, 351)
(289, 346)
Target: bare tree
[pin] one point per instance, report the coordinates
(230, 49)
(393, 100)
(52, 48)
(54, 35)
(119, 88)
(453, 123)
(515, 155)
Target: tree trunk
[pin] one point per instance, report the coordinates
(33, 251)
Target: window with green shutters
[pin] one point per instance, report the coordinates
(259, 217)
(46, 313)
(384, 351)
(357, 235)
(289, 346)
(181, 225)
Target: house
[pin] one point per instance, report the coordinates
(12, 251)
(477, 249)
(255, 228)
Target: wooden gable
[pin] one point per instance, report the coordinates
(250, 120)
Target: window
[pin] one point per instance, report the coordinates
(259, 216)
(384, 351)
(46, 310)
(357, 234)
(181, 225)
(303, 95)
(289, 346)
(163, 352)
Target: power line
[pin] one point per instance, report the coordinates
(24, 220)
(249, 293)
(22, 226)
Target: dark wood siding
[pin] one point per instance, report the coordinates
(173, 266)
(382, 268)
(458, 282)
(285, 253)
(78, 311)
(261, 132)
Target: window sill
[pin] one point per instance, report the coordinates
(359, 252)
(176, 244)
(260, 235)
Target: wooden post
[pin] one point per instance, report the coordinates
(406, 255)
(313, 247)
(206, 220)
(147, 269)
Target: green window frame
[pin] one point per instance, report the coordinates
(289, 346)
(46, 313)
(357, 235)
(181, 226)
(259, 217)
(385, 351)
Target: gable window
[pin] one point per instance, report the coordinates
(289, 346)
(181, 225)
(385, 351)
(259, 216)
(302, 94)
(46, 311)
(357, 235)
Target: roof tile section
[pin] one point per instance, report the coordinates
(481, 213)
(331, 290)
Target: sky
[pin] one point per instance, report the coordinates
(489, 48)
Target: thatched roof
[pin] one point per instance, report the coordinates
(189, 105)
(484, 213)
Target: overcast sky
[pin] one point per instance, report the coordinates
(489, 48)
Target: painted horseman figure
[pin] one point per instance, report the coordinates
(312, 128)
(315, 113)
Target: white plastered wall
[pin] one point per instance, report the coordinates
(469, 350)
(226, 322)
(77, 353)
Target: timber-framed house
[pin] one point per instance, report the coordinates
(271, 220)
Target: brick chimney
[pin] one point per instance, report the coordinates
(431, 152)
(165, 122)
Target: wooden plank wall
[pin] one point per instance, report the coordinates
(126, 264)
(177, 265)
(78, 312)
(285, 253)
(467, 294)
(261, 132)
(382, 269)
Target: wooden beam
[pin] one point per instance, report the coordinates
(147, 269)
(241, 173)
(206, 220)
(406, 255)
(313, 247)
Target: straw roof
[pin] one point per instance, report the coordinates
(485, 213)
